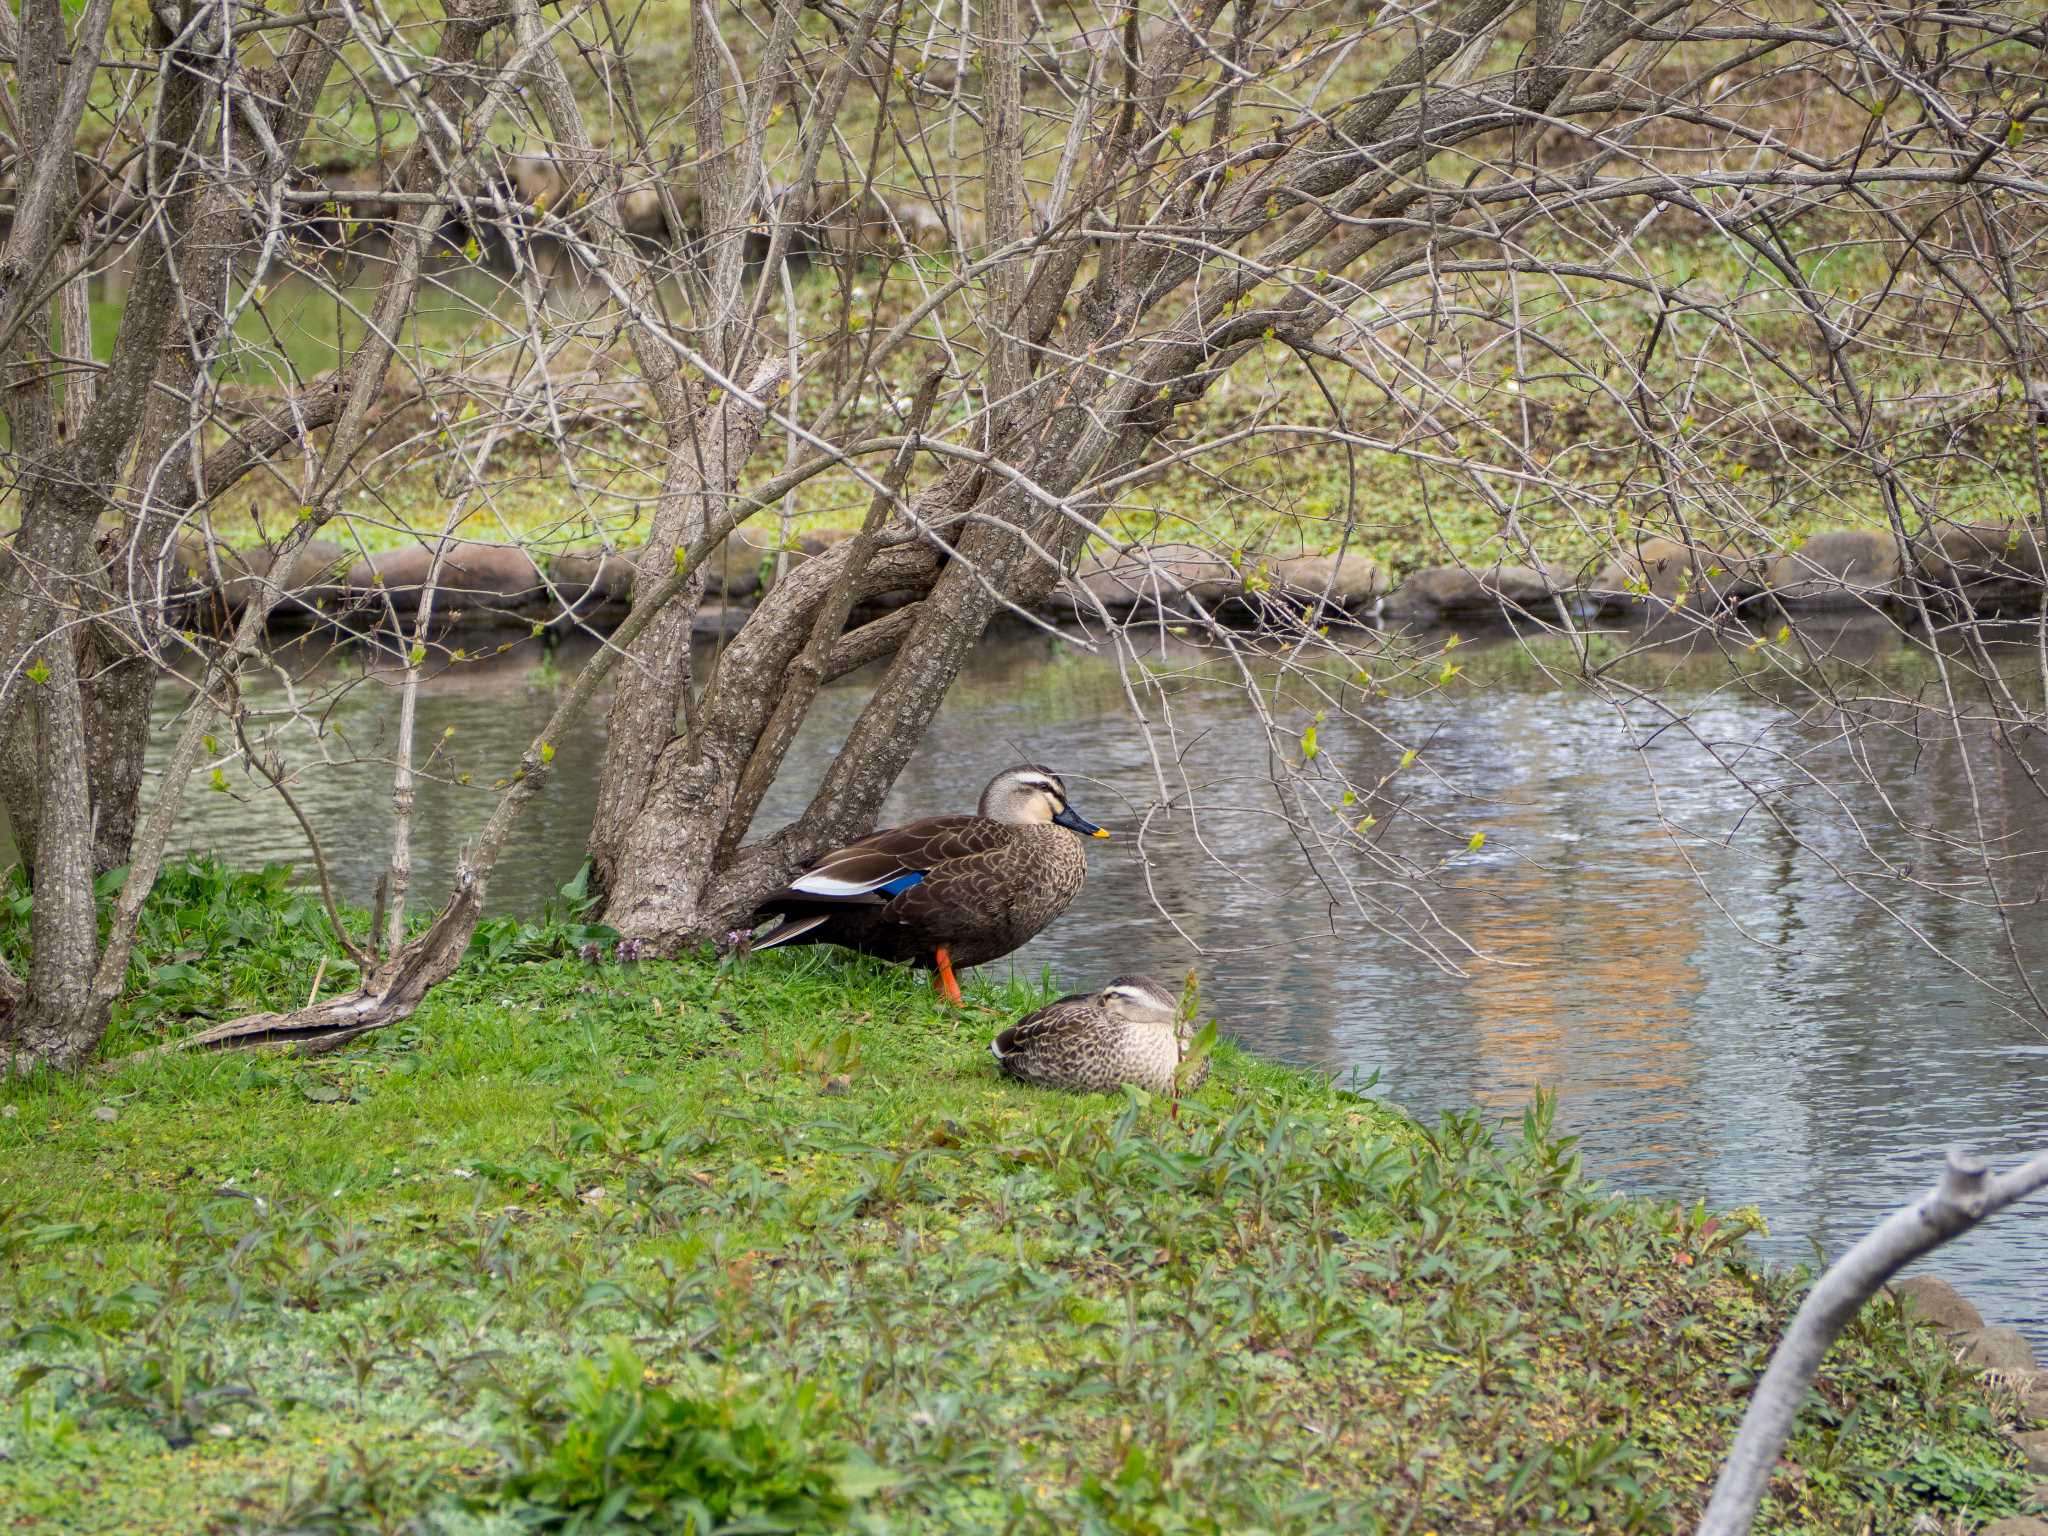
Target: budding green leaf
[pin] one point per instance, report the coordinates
(1478, 841)
(418, 653)
(39, 673)
(547, 753)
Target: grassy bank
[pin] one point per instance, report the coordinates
(591, 1242)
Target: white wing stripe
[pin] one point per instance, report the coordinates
(826, 885)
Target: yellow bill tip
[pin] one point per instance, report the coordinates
(1101, 832)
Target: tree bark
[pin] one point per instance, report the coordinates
(701, 475)
(807, 674)
(668, 889)
(59, 1022)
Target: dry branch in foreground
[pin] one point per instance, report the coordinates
(1968, 1192)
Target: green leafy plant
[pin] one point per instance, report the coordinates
(609, 1447)
(211, 939)
(1938, 1476)
(564, 929)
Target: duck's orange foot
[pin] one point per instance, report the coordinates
(943, 981)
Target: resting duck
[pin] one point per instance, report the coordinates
(947, 890)
(1129, 1032)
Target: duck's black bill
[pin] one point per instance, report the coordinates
(1067, 818)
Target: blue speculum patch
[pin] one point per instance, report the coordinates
(901, 883)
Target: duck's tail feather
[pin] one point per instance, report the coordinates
(789, 928)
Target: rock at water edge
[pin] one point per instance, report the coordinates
(1932, 1299)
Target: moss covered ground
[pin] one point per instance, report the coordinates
(585, 1245)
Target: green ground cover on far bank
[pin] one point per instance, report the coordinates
(1278, 487)
(583, 1244)
(1504, 454)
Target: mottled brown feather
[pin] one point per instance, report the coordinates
(988, 887)
(1076, 1044)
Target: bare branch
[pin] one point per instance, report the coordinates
(1966, 1195)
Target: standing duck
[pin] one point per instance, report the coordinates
(1129, 1032)
(947, 890)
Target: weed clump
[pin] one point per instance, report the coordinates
(607, 1445)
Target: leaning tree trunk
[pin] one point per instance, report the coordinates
(703, 472)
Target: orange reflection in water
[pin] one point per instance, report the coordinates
(1574, 1000)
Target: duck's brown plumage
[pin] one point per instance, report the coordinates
(1093, 1042)
(974, 885)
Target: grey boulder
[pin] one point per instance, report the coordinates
(1847, 569)
(472, 578)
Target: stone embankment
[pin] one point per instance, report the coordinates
(2008, 1365)
(481, 585)
(1991, 570)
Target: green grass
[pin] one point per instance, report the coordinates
(585, 1243)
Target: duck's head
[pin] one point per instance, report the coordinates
(1140, 1000)
(1028, 795)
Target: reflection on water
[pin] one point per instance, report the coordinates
(1720, 1013)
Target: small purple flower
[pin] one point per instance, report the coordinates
(590, 953)
(629, 950)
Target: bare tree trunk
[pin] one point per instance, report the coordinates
(710, 446)
(809, 671)
(172, 478)
(62, 494)
(657, 689)
(59, 1023)
(1966, 1195)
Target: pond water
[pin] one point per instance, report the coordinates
(1721, 1014)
